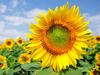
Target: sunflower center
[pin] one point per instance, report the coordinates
(96, 72)
(25, 58)
(58, 35)
(20, 41)
(30, 39)
(1, 64)
(8, 43)
(98, 38)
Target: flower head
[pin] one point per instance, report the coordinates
(28, 50)
(24, 58)
(97, 57)
(98, 39)
(59, 37)
(9, 43)
(1, 47)
(92, 42)
(19, 41)
(3, 63)
(95, 71)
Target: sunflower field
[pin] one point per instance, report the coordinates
(60, 43)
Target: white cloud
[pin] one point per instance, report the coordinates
(85, 14)
(3, 8)
(29, 17)
(34, 12)
(14, 20)
(11, 33)
(94, 23)
(14, 3)
(23, 2)
(2, 25)
(95, 19)
(17, 20)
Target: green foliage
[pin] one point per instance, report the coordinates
(34, 68)
(30, 66)
(45, 71)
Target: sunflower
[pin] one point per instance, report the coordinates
(3, 63)
(59, 37)
(95, 71)
(19, 41)
(97, 57)
(31, 39)
(24, 58)
(98, 39)
(91, 42)
(28, 50)
(1, 47)
(9, 43)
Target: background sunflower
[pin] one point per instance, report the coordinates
(98, 39)
(24, 58)
(9, 43)
(20, 41)
(3, 63)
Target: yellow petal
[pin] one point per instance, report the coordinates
(74, 54)
(59, 61)
(37, 19)
(86, 36)
(56, 9)
(72, 10)
(38, 54)
(34, 44)
(83, 27)
(79, 49)
(78, 21)
(81, 39)
(34, 28)
(80, 44)
(54, 63)
(84, 33)
(68, 60)
(67, 5)
(72, 60)
(77, 12)
(64, 61)
(34, 36)
(46, 59)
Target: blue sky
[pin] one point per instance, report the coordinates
(15, 15)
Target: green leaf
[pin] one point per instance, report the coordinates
(85, 66)
(4, 52)
(98, 47)
(30, 66)
(17, 69)
(9, 71)
(16, 52)
(88, 57)
(72, 72)
(1, 72)
(46, 71)
(11, 60)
